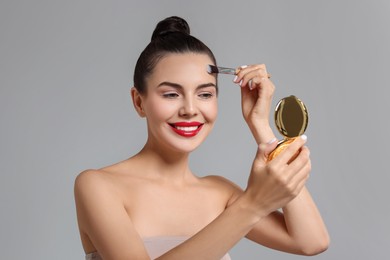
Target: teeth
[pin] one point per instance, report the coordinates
(187, 128)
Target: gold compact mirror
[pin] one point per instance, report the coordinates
(291, 119)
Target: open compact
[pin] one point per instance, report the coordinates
(291, 120)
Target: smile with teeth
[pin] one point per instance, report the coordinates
(186, 129)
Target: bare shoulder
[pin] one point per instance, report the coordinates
(88, 175)
(94, 187)
(101, 214)
(224, 185)
(220, 181)
(102, 179)
(90, 180)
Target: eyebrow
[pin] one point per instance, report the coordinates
(178, 86)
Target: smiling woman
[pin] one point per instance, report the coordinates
(152, 206)
(181, 96)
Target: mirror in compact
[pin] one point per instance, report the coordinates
(291, 120)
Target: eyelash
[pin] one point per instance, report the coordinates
(172, 95)
(205, 95)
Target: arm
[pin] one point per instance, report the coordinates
(305, 225)
(300, 229)
(103, 218)
(271, 186)
(256, 97)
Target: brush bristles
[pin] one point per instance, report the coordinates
(212, 69)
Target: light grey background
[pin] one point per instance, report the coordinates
(66, 70)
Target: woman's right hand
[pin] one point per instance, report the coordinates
(273, 184)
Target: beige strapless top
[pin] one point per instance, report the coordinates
(155, 246)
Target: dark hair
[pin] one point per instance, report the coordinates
(171, 35)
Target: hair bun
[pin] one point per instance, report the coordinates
(169, 25)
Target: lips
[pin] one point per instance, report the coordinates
(186, 129)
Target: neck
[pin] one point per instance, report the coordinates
(165, 164)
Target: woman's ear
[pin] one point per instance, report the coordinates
(137, 102)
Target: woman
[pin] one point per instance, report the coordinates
(152, 206)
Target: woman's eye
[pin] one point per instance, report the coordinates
(205, 95)
(170, 95)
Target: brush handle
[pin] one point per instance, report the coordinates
(224, 70)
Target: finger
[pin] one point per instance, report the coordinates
(302, 176)
(245, 69)
(291, 149)
(265, 149)
(263, 95)
(301, 160)
(268, 147)
(296, 179)
(254, 73)
(248, 97)
(256, 77)
(238, 76)
(242, 71)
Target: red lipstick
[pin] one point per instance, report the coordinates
(186, 129)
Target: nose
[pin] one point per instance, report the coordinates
(188, 108)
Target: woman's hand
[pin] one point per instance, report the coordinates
(256, 98)
(273, 184)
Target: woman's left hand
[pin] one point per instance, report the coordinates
(256, 98)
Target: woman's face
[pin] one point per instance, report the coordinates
(181, 101)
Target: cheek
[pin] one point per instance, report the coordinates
(159, 109)
(211, 111)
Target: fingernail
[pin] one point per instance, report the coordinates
(235, 78)
(272, 140)
(250, 84)
(243, 66)
(304, 137)
(240, 83)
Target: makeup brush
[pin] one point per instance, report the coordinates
(224, 70)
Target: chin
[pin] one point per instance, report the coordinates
(187, 146)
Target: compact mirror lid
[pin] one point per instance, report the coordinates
(291, 117)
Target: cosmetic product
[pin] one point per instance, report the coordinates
(224, 70)
(291, 120)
